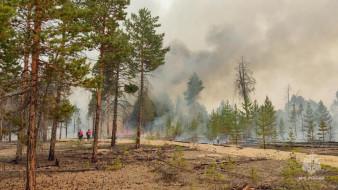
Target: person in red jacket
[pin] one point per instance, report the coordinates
(88, 133)
(80, 134)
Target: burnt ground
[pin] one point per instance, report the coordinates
(150, 167)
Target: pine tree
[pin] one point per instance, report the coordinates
(254, 112)
(245, 85)
(148, 51)
(323, 120)
(117, 69)
(291, 137)
(226, 118)
(309, 123)
(293, 119)
(300, 111)
(311, 132)
(266, 121)
(69, 67)
(195, 86)
(214, 125)
(236, 130)
(322, 130)
(104, 17)
(281, 128)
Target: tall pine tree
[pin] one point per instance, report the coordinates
(148, 51)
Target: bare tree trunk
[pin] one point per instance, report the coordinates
(138, 137)
(66, 129)
(60, 130)
(108, 115)
(98, 112)
(31, 132)
(116, 101)
(19, 145)
(74, 124)
(45, 128)
(55, 121)
(1, 122)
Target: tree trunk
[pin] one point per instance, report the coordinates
(74, 125)
(60, 130)
(31, 132)
(66, 128)
(10, 132)
(55, 121)
(116, 101)
(1, 122)
(98, 112)
(138, 137)
(108, 115)
(264, 141)
(19, 145)
(45, 128)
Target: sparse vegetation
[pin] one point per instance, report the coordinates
(253, 175)
(116, 165)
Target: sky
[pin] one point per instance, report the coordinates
(283, 41)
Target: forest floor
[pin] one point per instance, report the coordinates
(162, 164)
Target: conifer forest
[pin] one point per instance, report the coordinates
(168, 94)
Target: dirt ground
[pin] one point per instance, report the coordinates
(157, 164)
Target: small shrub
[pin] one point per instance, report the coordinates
(253, 175)
(296, 149)
(329, 168)
(211, 173)
(332, 179)
(86, 165)
(117, 164)
(178, 159)
(124, 149)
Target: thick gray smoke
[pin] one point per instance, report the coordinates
(285, 42)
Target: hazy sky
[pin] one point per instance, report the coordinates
(285, 42)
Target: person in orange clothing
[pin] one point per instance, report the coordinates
(88, 133)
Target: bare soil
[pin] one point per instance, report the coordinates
(156, 165)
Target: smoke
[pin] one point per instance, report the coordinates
(285, 42)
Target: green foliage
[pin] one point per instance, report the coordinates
(329, 168)
(322, 130)
(146, 43)
(281, 128)
(291, 137)
(75, 145)
(86, 165)
(291, 173)
(236, 128)
(178, 160)
(218, 179)
(211, 173)
(332, 179)
(311, 132)
(130, 88)
(214, 125)
(266, 121)
(253, 175)
(116, 165)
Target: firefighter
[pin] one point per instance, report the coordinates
(80, 134)
(88, 133)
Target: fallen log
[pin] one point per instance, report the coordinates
(56, 170)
